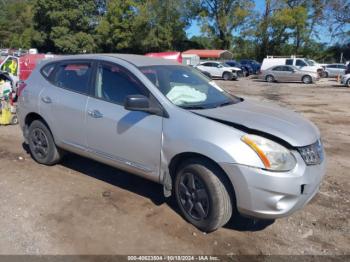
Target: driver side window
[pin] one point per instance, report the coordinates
(114, 83)
(300, 63)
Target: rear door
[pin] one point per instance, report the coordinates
(279, 73)
(63, 102)
(127, 139)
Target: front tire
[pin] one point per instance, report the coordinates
(307, 80)
(202, 196)
(41, 144)
(227, 76)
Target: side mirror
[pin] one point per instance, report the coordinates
(141, 103)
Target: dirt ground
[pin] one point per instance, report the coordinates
(83, 207)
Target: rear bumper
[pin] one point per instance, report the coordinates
(270, 195)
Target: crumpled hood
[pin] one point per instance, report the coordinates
(273, 120)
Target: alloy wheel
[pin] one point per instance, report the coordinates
(40, 143)
(307, 80)
(193, 196)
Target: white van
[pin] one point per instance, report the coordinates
(301, 63)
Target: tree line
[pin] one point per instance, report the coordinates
(283, 27)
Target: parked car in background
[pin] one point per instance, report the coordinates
(283, 73)
(251, 63)
(333, 70)
(21, 67)
(220, 70)
(246, 69)
(215, 152)
(207, 74)
(347, 70)
(345, 80)
(300, 63)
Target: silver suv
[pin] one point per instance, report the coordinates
(169, 123)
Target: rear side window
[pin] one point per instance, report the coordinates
(289, 62)
(278, 68)
(47, 70)
(73, 76)
(287, 68)
(114, 83)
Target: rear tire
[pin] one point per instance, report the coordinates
(307, 80)
(348, 83)
(325, 74)
(270, 79)
(42, 145)
(202, 196)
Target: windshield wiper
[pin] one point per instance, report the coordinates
(192, 107)
(225, 104)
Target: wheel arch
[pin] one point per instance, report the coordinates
(227, 72)
(176, 161)
(274, 78)
(30, 118)
(306, 75)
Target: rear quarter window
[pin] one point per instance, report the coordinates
(47, 70)
(289, 62)
(73, 76)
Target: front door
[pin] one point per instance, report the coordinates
(129, 139)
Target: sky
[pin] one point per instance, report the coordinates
(194, 29)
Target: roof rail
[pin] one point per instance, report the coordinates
(292, 56)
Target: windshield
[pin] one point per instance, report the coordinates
(310, 62)
(226, 65)
(186, 87)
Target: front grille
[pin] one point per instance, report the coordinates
(313, 154)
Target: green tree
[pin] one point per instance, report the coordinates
(116, 29)
(286, 27)
(221, 18)
(338, 14)
(16, 28)
(162, 24)
(141, 26)
(65, 26)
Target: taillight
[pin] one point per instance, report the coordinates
(20, 87)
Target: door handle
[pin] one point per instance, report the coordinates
(46, 100)
(95, 114)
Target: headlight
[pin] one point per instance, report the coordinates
(274, 156)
